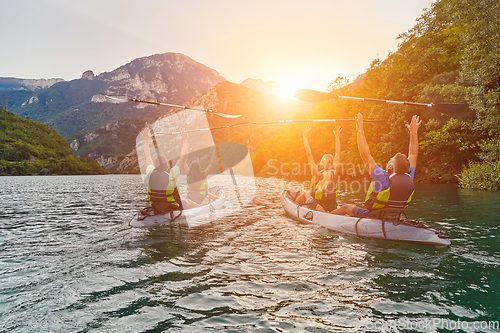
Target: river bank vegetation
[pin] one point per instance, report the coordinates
(29, 147)
(451, 55)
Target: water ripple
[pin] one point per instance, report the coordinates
(70, 263)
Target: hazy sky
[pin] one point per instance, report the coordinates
(300, 44)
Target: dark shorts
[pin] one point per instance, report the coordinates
(327, 205)
(360, 211)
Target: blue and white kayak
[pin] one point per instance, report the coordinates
(193, 216)
(402, 230)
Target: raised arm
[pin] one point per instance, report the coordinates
(185, 149)
(364, 150)
(186, 168)
(147, 154)
(310, 158)
(211, 165)
(336, 159)
(413, 149)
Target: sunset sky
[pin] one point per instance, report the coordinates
(300, 44)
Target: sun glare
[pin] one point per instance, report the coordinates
(286, 92)
(288, 88)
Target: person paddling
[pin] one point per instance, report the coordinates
(391, 188)
(322, 194)
(161, 179)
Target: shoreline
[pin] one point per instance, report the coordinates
(418, 179)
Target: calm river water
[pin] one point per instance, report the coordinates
(69, 262)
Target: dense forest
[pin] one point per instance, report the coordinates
(451, 55)
(29, 147)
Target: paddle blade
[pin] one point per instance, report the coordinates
(225, 115)
(450, 109)
(231, 154)
(308, 95)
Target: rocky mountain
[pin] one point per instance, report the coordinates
(80, 105)
(170, 77)
(10, 83)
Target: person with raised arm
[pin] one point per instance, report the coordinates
(161, 179)
(390, 188)
(322, 194)
(197, 190)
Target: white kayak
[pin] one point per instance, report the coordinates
(146, 217)
(402, 230)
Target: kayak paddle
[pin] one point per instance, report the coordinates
(135, 100)
(271, 123)
(308, 95)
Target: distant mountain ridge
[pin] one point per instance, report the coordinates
(79, 105)
(12, 83)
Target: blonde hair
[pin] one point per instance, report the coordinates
(328, 175)
(326, 161)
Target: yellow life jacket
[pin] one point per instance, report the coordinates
(330, 193)
(397, 195)
(203, 190)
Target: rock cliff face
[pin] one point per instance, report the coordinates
(128, 164)
(108, 144)
(169, 77)
(88, 75)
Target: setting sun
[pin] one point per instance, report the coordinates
(286, 92)
(288, 86)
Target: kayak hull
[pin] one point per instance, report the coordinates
(149, 219)
(366, 227)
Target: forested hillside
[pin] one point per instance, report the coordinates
(451, 55)
(29, 147)
(108, 144)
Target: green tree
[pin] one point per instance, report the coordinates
(28, 147)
